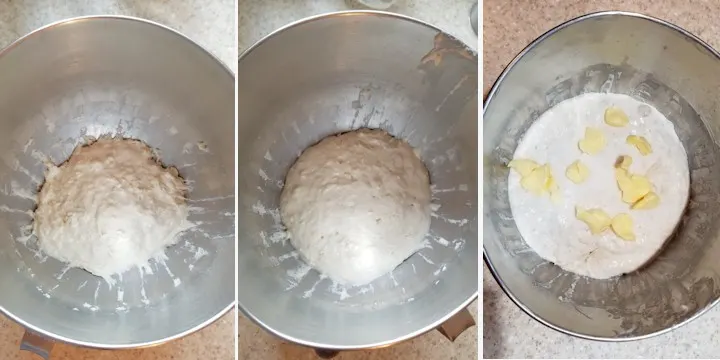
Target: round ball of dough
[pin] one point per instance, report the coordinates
(356, 205)
(111, 206)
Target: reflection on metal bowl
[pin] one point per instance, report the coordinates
(334, 73)
(95, 76)
(657, 63)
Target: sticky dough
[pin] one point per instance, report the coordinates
(552, 230)
(110, 207)
(356, 205)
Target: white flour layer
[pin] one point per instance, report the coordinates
(110, 207)
(553, 231)
(356, 205)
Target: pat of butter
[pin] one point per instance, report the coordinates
(577, 172)
(615, 116)
(640, 143)
(536, 178)
(593, 142)
(622, 226)
(538, 181)
(633, 187)
(649, 201)
(623, 162)
(597, 220)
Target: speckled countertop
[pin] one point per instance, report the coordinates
(509, 25)
(212, 25)
(258, 18)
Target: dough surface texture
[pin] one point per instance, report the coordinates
(356, 205)
(110, 207)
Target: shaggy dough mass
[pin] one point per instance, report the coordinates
(110, 207)
(553, 231)
(356, 205)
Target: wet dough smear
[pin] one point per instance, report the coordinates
(356, 205)
(598, 183)
(110, 207)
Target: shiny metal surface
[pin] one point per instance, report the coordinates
(474, 17)
(655, 62)
(37, 344)
(333, 73)
(120, 76)
(453, 327)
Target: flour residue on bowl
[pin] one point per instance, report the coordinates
(306, 282)
(138, 287)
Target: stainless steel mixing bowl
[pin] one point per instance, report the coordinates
(120, 76)
(330, 74)
(655, 62)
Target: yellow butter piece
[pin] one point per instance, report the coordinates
(615, 116)
(550, 184)
(633, 187)
(623, 162)
(593, 142)
(549, 181)
(640, 143)
(622, 226)
(552, 187)
(537, 181)
(597, 220)
(523, 166)
(577, 172)
(536, 178)
(649, 201)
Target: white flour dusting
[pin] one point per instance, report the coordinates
(552, 230)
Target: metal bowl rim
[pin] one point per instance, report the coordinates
(491, 93)
(58, 337)
(422, 330)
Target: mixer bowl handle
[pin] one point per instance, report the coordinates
(457, 324)
(450, 329)
(326, 354)
(37, 344)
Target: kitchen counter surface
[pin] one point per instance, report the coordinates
(509, 25)
(259, 18)
(256, 344)
(212, 25)
(212, 343)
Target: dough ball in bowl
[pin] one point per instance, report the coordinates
(356, 205)
(96, 77)
(416, 88)
(110, 207)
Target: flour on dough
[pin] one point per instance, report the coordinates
(110, 207)
(356, 205)
(552, 230)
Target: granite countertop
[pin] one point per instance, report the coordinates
(258, 18)
(212, 25)
(508, 332)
